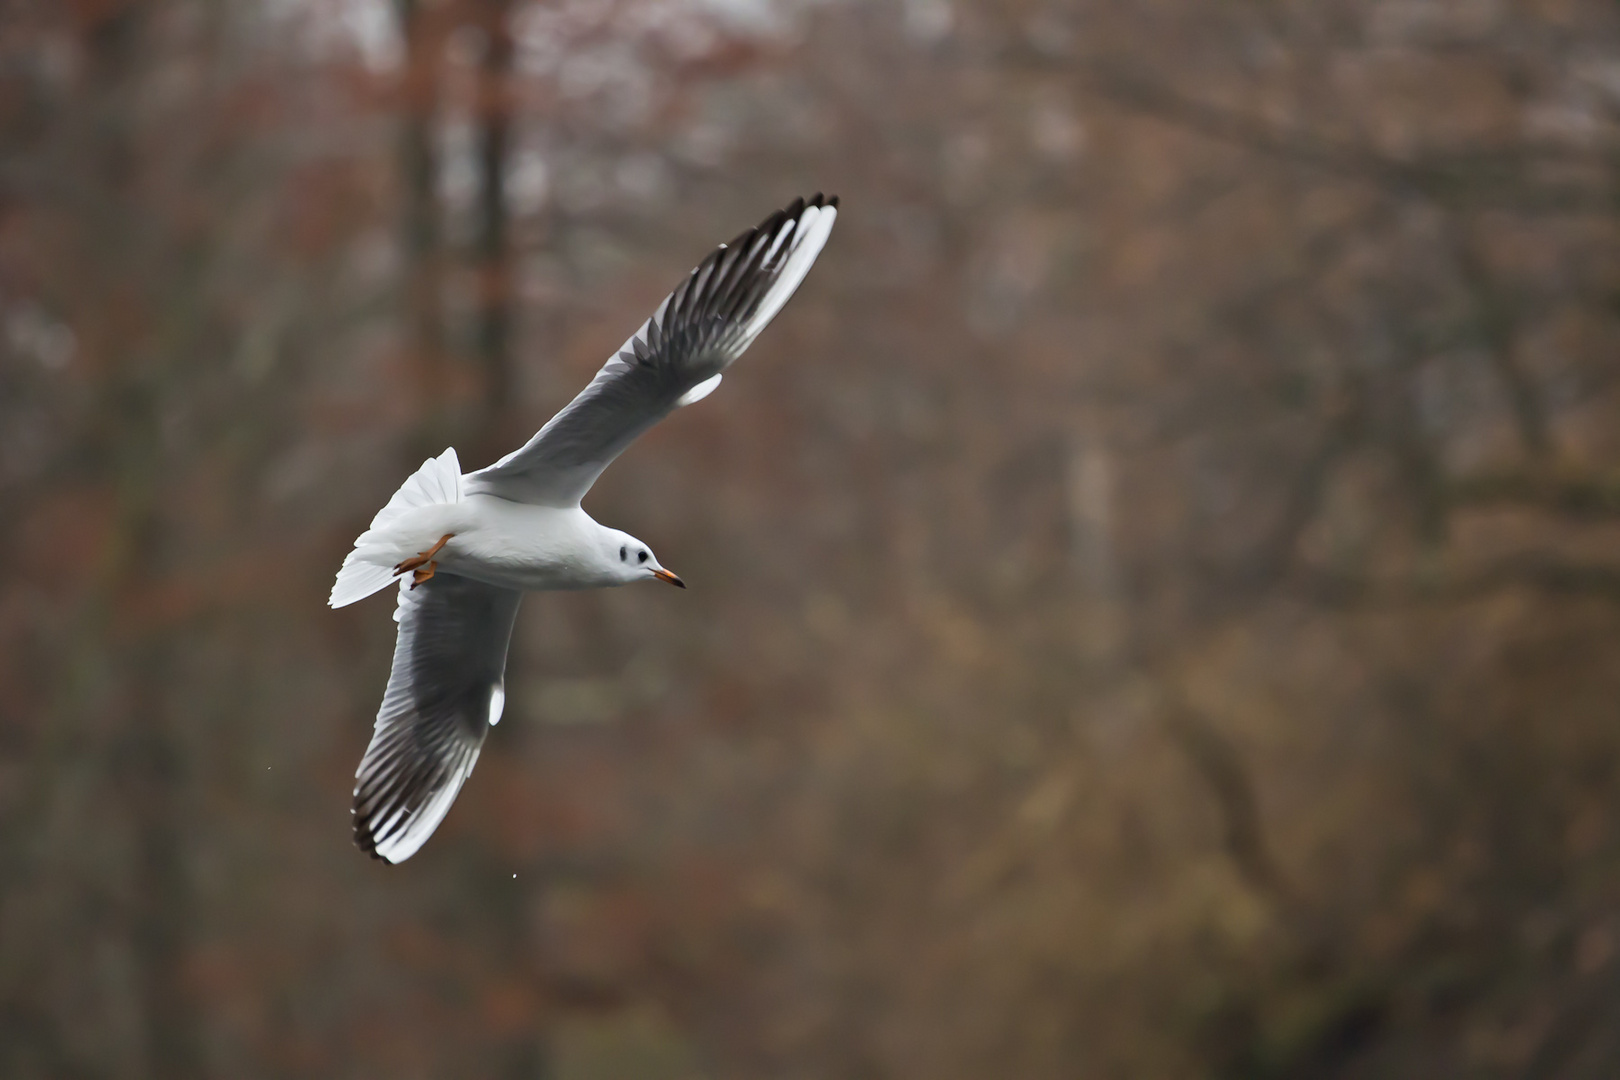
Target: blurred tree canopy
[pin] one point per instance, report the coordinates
(1155, 599)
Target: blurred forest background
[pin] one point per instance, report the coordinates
(1155, 600)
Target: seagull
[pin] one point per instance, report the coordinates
(465, 548)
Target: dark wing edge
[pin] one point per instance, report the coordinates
(674, 359)
(445, 690)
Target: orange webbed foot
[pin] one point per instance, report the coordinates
(423, 559)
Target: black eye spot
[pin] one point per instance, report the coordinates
(641, 557)
(622, 555)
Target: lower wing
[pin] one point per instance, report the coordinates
(446, 688)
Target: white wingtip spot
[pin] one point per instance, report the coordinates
(698, 392)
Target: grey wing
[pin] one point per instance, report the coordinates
(445, 690)
(676, 358)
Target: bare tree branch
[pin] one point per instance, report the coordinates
(1580, 494)
(1223, 769)
(1495, 315)
(1542, 573)
(1489, 177)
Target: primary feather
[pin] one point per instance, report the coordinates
(676, 358)
(444, 692)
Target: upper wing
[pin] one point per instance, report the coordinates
(446, 689)
(676, 358)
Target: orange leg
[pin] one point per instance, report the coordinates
(423, 573)
(424, 559)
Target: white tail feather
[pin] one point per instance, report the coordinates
(436, 483)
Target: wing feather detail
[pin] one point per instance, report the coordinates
(698, 331)
(445, 689)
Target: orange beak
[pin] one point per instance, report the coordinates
(665, 575)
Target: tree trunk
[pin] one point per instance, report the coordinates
(492, 335)
(422, 236)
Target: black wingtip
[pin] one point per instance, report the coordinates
(365, 843)
(818, 200)
(364, 840)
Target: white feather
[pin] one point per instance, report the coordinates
(369, 566)
(700, 391)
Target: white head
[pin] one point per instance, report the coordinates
(631, 560)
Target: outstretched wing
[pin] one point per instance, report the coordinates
(446, 689)
(676, 358)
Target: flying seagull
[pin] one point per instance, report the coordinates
(472, 544)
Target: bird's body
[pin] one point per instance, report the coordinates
(472, 544)
(511, 545)
(534, 548)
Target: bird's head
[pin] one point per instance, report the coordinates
(633, 560)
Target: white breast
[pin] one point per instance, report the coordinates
(521, 546)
